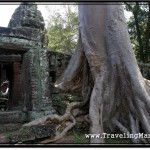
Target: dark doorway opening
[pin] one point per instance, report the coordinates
(53, 76)
(6, 81)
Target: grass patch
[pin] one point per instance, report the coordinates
(79, 137)
(7, 134)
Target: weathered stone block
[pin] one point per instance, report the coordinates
(42, 131)
(49, 112)
(13, 117)
(13, 44)
(22, 136)
(22, 33)
(10, 127)
(35, 114)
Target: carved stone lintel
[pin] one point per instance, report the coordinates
(10, 58)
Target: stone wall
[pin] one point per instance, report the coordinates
(58, 61)
(35, 68)
(25, 36)
(57, 64)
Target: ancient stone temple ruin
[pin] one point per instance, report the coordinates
(25, 72)
(28, 69)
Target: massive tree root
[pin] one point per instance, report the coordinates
(105, 69)
(63, 123)
(120, 96)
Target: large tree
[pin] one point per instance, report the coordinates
(105, 69)
(120, 96)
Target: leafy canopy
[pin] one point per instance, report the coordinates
(139, 29)
(62, 29)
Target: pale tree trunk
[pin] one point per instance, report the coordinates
(106, 70)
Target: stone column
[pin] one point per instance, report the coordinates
(39, 79)
(16, 84)
(45, 81)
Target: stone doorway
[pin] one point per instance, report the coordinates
(9, 85)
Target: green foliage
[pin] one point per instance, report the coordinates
(62, 29)
(79, 137)
(139, 29)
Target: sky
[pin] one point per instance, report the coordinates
(6, 11)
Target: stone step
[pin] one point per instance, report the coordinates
(28, 134)
(10, 127)
(12, 117)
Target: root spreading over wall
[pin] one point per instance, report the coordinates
(105, 69)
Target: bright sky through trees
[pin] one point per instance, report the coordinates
(6, 12)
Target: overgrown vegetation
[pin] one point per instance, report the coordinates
(139, 29)
(106, 71)
(79, 137)
(63, 29)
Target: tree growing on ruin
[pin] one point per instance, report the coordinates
(105, 69)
